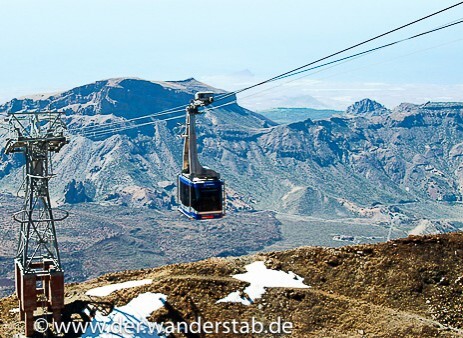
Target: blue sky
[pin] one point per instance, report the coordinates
(52, 45)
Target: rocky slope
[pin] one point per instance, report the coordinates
(410, 287)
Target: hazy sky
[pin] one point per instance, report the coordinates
(52, 45)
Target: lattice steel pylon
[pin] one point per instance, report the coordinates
(38, 267)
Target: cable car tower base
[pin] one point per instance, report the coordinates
(38, 271)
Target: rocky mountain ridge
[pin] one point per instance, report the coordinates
(373, 155)
(371, 158)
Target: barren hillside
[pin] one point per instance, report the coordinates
(410, 287)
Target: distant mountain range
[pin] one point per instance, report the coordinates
(367, 157)
(290, 115)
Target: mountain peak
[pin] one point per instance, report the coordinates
(190, 79)
(365, 106)
(126, 97)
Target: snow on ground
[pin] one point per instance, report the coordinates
(236, 297)
(120, 323)
(108, 289)
(260, 277)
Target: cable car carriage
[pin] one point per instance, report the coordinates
(201, 198)
(201, 192)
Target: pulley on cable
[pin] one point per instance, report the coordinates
(201, 192)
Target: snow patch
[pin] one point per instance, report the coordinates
(260, 277)
(126, 317)
(236, 297)
(106, 290)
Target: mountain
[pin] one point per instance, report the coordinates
(286, 97)
(410, 287)
(308, 167)
(366, 106)
(362, 163)
(427, 227)
(290, 115)
(135, 167)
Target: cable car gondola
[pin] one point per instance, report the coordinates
(201, 192)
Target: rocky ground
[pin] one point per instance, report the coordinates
(410, 287)
(91, 243)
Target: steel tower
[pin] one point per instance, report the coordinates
(38, 271)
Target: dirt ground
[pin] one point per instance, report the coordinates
(405, 288)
